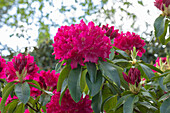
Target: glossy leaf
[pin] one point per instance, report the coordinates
(153, 67)
(83, 80)
(63, 89)
(147, 70)
(92, 70)
(64, 74)
(94, 87)
(97, 102)
(165, 107)
(122, 53)
(22, 91)
(74, 83)
(128, 105)
(159, 25)
(110, 71)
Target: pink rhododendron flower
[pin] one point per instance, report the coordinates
(50, 78)
(81, 43)
(110, 31)
(163, 5)
(2, 68)
(21, 65)
(68, 105)
(126, 42)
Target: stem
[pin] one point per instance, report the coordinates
(137, 111)
(32, 107)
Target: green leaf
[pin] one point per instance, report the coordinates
(91, 67)
(20, 108)
(22, 91)
(63, 89)
(59, 65)
(97, 102)
(163, 87)
(166, 79)
(153, 67)
(159, 25)
(164, 97)
(162, 37)
(110, 71)
(5, 96)
(147, 70)
(94, 87)
(109, 103)
(165, 107)
(44, 99)
(122, 53)
(128, 105)
(7, 86)
(64, 74)
(74, 83)
(12, 106)
(112, 54)
(34, 82)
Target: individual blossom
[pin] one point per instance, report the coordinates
(68, 105)
(110, 31)
(81, 43)
(133, 78)
(126, 42)
(2, 68)
(164, 6)
(20, 67)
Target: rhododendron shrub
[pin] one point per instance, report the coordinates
(93, 74)
(81, 43)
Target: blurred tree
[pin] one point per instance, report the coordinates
(47, 15)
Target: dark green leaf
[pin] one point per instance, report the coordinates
(153, 67)
(63, 89)
(163, 87)
(110, 71)
(94, 87)
(22, 91)
(165, 107)
(159, 25)
(147, 70)
(91, 67)
(74, 83)
(122, 53)
(64, 74)
(97, 102)
(128, 105)
(12, 106)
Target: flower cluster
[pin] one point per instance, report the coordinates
(134, 76)
(126, 42)
(68, 105)
(2, 68)
(20, 67)
(110, 31)
(81, 43)
(163, 5)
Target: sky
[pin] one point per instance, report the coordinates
(141, 12)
